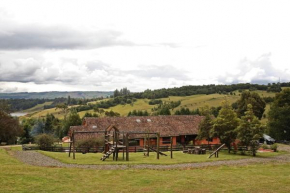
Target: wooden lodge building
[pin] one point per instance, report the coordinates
(182, 128)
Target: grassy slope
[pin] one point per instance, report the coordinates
(191, 102)
(18, 177)
(38, 107)
(56, 112)
(139, 158)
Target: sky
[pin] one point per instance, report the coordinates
(69, 45)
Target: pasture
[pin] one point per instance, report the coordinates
(192, 102)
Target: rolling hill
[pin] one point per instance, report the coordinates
(192, 102)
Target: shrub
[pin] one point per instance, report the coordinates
(274, 147)
(89, 143)
(44, 140)
(264, 146)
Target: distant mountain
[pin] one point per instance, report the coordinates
(54, 94)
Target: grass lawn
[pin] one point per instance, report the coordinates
(19, 177)
(139, 158)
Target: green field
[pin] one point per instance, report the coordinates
(192, 102)
(38, 107)
(139, 158)
(58, 113)
(18, 177)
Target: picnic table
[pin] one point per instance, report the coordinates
(195, 150)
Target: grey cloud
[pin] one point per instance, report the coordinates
(260, 71)
(4, 89)
(33, 37)
(92, 73)
(20, 70)
(172, 45)
(97, 65)
(165, 71)
(69, 71)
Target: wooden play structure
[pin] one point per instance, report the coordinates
(116, 144)
(216, 152)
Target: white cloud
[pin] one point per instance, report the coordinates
(259, 71)
(103, 45)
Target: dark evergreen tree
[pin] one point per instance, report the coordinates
(225, 125)
(250, 130)
(279, 116)
(255, 100)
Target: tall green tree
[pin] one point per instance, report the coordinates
(206, 125)
(9, 126)
(4, 106)
(164, 111)
(250, 130)
(225, 125)
(73, 119)
(48, 125)
(255, 100)
(279, 116)
(27, 125)
(68, 100)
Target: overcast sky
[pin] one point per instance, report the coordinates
(103, 45)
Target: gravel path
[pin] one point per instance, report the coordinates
(38, 159)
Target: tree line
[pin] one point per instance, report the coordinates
(206, 89)
(244, 122)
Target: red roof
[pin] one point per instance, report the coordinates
(174, 125)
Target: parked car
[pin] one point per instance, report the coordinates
(267, 140)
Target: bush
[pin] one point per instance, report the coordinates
(274, 147)
(87, 144)
(44, 140)
(264, 146)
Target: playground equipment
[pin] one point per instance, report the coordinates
(113, 147)
(216, 152)
(154, 150)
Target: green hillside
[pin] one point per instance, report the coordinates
(37, 108)
(192, 102)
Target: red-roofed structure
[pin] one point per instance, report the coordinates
(182, 128)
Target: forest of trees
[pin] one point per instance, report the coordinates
(207, 89)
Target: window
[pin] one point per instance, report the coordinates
(210, 139)
(165, 140)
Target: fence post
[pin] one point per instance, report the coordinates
(158, 141)
(171, 155)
